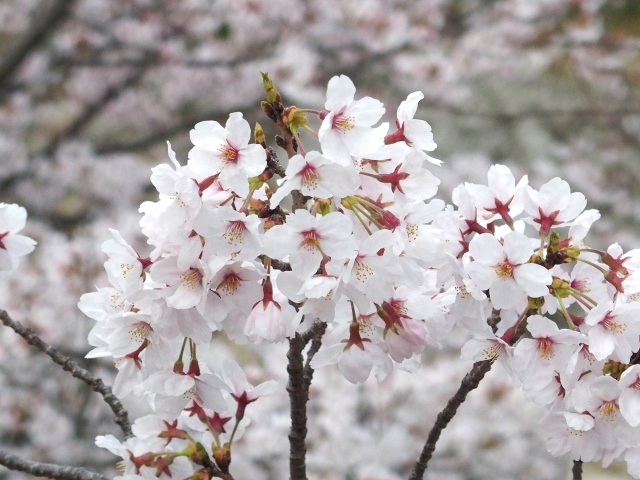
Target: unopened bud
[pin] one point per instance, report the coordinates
(294, 118)
(268, 110)
(535, 303)
(195, 452)
(615, 369)
(222, 456)
(256, 205)
(560, 287)
(255, 183)
(273, 96)
(194, 368)
(349, 202)
(554, 242)
(272, 221)
(323, 206)
(258, 134)
(178, 367)
(201, 474)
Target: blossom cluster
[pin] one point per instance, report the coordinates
(352, 237)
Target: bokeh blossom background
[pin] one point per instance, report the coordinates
(90, 90)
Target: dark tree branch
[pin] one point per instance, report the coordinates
(69, 365)
(298, 397)
(274, 163)
(300, 376)
(38, 34)
(469, 382)
(48, 470)
(577, 470)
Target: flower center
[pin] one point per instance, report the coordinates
(114, 301)
(504, 269)
(342, 123)
(609, 323)
(126, 268)
(412, 232)
(235, 232)
(190, 278)
(230, 283)
(139, 331)
(362, 270)
(462, 291)
(608, 411)
(492, 351)
(310, 240)
(545, 347)
(310, 177)
(581, 285)
(229, 154)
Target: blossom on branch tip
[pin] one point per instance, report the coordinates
(226, 150)
(347, 129)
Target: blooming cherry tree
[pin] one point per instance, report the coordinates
(342, 259)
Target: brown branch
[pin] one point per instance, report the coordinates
(274, 164)
(69, 365)
(577, 470)
(48, 470)
(469, 382)
(300, 376)
(38, 33)
(298, 397)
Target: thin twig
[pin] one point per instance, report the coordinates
(317, 332)
(69, 365)
(577, 470)
(469, 382)
(48, 470)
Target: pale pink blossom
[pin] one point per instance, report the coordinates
(226, 151)
(505, 271)
(554, 205)
(318, 177)
(347, 129)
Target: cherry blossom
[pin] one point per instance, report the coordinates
(226, 151)
(504, 269)
(347, 127)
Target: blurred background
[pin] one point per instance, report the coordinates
(91, 90)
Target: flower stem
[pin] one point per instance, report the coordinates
(579, 293)
(566, 315)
